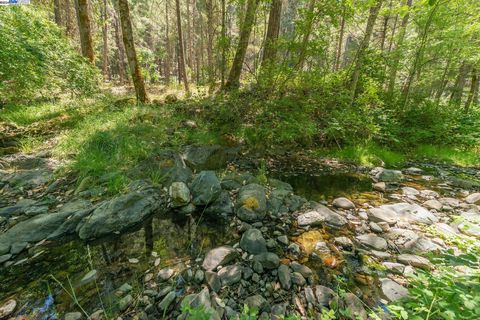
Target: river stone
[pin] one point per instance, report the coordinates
(394, 267)
(382, 215)
(92, 275)
(230, 274)
(470, 229)
(433, 204)
(120, 213)
(420, 245)
(253, 242)
(473, 198)
(179, 194)
(380, 186)
(219, 256)
(373, 241)
(278, 184)
(5, 257)
(387, 175)
(165, 274)
(412, 213)
(7, 308)
(415, 261)
(302, 269)
(409, 191)
(343, 203)
(73, 316)
(208, 157)
(251, 203)
(221, 207)
(125, 302)
(356, 311)
(414, 171)
(29, 179)
(310, 218)
(167, 301)
(324, 295)
(256, 302)
(332, 219)
(284, 276)
(445, 229)
(392, 290)
(268, 260)
(205, 188)
(213, 281)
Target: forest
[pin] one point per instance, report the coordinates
(240, 159)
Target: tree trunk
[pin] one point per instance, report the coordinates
(338, 56)
(270, 50)
(181, 52)
(443, 81)
(363, 47)
(84, 28)
(384, 32)
(68, 18)
(168, 55)
(224, 49)
(105, 41)
(306, 37)
(57, 13)
(127, 34)
(210, 35)
(473, 89)
(233, 81)
(121, 50)
(457, 92)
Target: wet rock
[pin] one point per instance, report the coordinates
(415, 261)
(433, 204)
(331, 218)
(392, 290)
(382, 215)
(256, 302)
(298, 279)
(324, 295)
(205, 188)
(387, 175)
(253, 241)
(284, 276)
(251, 203)
(221, 207)
(412, 213)
(302, 269)
(219, 256)
(179, 194)
(343, 203)
(230, 275)
(268, 260)
(167, 301)
(125, 302)
(165, 274)
(473, 198)
(213, 281)
(354, 306)
(120, 213)
(311, 218)
(7, 308)
(373, 241)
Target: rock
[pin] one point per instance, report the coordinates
(386, 175)
(380, 255)
(445, 229)
(450, 202)
(125, 302)
(219, 256)
(251, 203)
(284, 276)
(392, 290)
(208, 157)
(253, 242)
(412, 213)
(199, 276)
(179, 194)
(433, 204)
(473, 198)
(311, 218)
(409, 191)
(375, 227)
(124, 289)
(280, 185)
(268, 260)
(343, 242)
(373, 241)
(421, 245)
(221, 207)
(382, 215)
(394, 267)
(7, 309)
(324, 295)
(415, 261)
(230, 275)
(205, 188)
(92, 275)
(331, 218)
(165, 274)
(380, 186)
(29, 179)
(343, 203)
(302, 269)
(355, 308)
(413, 171)
(120, 213)
(256, 302)
(298, 279)
(470, 229)
(213, 281)
(283, 240)
(5, 257)
(167, 301)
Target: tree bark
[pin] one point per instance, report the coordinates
(473, 89)
(181, 52)
(273, 29)
(68, 18)
(84, 28)
(338, 56)
(168, 55)
(224, 49)
(121, 50)
(443, 81)
(57, 12)
(457, 91)
(233, 81)
(127, 33)
(105, 41)
(306, 37)
(210, 35)
(363, 47)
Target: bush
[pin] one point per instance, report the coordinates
(37, 59)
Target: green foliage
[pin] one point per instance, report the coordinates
(36, 59)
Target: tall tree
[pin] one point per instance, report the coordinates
(167, 60)
(457, 90)
(181, 51)
(105, 39)
(233, 80)
(85, 29)
(57, 10)
(473, 89)
(360, 57)
(341, 33)
(306, 34)
(120, 49)
(127, 33)
(273, 29)
(210, 36)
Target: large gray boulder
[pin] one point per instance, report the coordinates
(387, 175)
(332, 218)
(253, 241)
(121, 213)
(205, 188)
(412, 213)
(373, 241)
(392, 290)
(221, 207)
(382, 215)
(251, 203)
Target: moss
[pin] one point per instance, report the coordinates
(251, 203)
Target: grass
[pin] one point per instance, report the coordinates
(465, 158)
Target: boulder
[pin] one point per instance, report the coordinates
(230, 274)
(253, 241)
(473, 198)
(332, 218)
(251, 203)
(412, 213)
(382, 215)
(205, 188)
(433, 204)
(219, 256)
(392, 290)
(373, 241)
(415, 261)
(268, 260)
(387, 175)
(256, 302)
(354, 305)
(208, 157)
(284, 276)
(343, 203)
(179, 194)
(221, 207)
(310, 218)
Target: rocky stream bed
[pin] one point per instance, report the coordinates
(222, 239)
